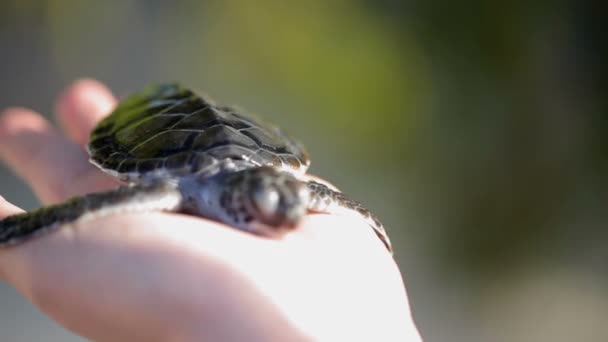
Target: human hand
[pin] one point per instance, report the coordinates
(172, 277)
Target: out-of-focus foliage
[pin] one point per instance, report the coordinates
(476, 130)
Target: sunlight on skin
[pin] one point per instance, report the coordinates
(159, 276)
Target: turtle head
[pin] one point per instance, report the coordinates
(264, 200)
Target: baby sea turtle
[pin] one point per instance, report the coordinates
(178, 151)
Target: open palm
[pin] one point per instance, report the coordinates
(171, 277)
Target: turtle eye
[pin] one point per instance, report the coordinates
(266, 200)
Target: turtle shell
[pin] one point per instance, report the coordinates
(168, 130)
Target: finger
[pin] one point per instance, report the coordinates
(81, 106)
(55, 168)
(7, 208)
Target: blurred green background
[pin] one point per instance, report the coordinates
(477, 131)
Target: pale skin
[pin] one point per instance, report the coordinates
(172, 277)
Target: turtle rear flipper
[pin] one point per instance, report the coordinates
(153, 197)
(326, 200)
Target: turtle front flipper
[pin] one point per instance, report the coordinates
(326, 200)
(154, 197)
(259, 200)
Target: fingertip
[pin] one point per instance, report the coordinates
(86, 87)
(16, 121)
(81, 106)
(7, 208)
(85, 97)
